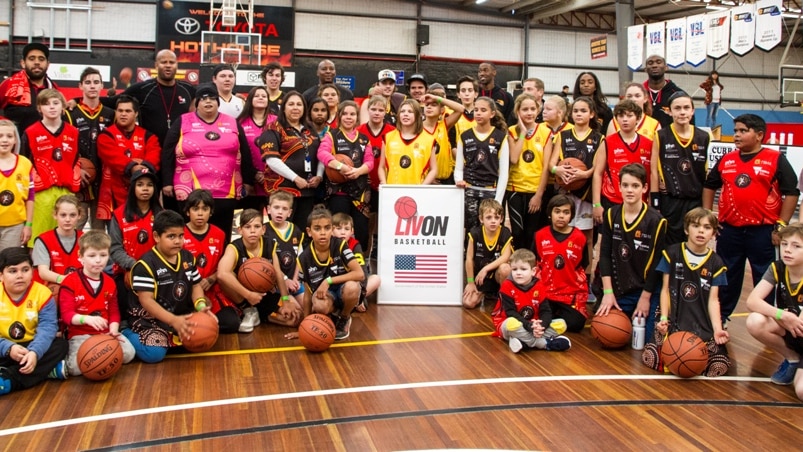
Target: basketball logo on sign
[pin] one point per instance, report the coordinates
(405, 207)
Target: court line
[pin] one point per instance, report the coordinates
(360, 389)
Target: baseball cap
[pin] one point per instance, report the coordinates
(147, 171)
(35, 46)
(419, 77)
(385, 74)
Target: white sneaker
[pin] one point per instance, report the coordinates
(250, 320)
(514, 344)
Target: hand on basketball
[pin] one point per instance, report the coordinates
(350, 172)
(96, 322)
(85, 179)
(608, 302)
(183, 326)
(28, 362)
(292, 285)
(721, 337)
(565, 172)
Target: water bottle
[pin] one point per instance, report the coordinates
(639, 332)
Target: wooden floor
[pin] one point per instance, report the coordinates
(409, 378)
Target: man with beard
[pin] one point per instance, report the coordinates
(486, 76)
(18, 92)
(326, 74)
(660, 89)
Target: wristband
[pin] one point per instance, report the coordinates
(597, 204)
(554, 170)
(285, 298)
(778, 314)
(29, 223)
(82, 320)
(471, 280)
(285, 277)
(607, 291)
(655, 200)
(329, 280)
(781, 222)
(439, 99)
(200, 304)
(664, 318)
(59, 279)
(339, 166)
(521, 136)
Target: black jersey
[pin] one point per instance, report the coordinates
(288, 245)
(682, 163)
(89, 125)
(355, 150)
(266, 249)
(482, 157)
(786, 297)
(581, 148)
(485, 252)
(312, 271)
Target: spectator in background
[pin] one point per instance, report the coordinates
(326, 74)
(565, 93)
(713, 98)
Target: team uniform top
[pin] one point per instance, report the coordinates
(482, 155)
(89, 122)
(31, 320)
(297, 149)
(171, 286)
(54, 156)
(544, 134)
(752, 186)
(562, 260)
(445, 158)
(647, 127)
(356, 248)
(522, 303)
(582, 148)
(629, 252)
(18, 99)
(525, 175)
(407, 161)
(288, 246)
(376, 146)
(689, 286)
(252, 131)
(241, 254)
(130, 239)
(620, 154)
(682, 164)
(77, 296)
(503, 99)
(358, 149)
(50, 250)
(312, 271)
(232, 107)
(465, 122)
(275, 103)
(486, 251)
(16, 188)
(788, 295)
(207, 248)
(161, 105)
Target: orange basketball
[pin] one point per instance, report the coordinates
(204, 333)
(613, 330)
(684, 354)
(333, 174)
(577, 164)
(405, 207)
(100, 357)
(316, 332)
(257, 275)
(89, 167)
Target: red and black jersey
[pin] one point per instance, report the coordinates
(137, 235)
(482, 157)
(298, 149)
(207, 248)
(620, 154)
(561, 265)
(62, 260)
(682, 163)
(377, 141)
(288, 244)
(521, 302)
(750, 192)
(583, 149)
(77, 296)
(54, 156)
(89, 124)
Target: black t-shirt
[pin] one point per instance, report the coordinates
(160, 105)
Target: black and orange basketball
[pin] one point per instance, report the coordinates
(613, 330)
(100, 357)
(204, 333)
(316, 332)
(577, 164)
(684, 354)
(334, 175)
(257, 274)
(89, 167)
(405, 207)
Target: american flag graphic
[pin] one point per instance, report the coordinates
(420, 268)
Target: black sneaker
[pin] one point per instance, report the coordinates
(558, 344)
(342, 328)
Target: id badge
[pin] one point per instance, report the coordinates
(307, 166)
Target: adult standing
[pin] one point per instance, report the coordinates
(206, 149)
(18, 92)
(254, 119)
(713, 97)
(660, 89)
(417, 87)
(223, 76)
(385, 87)
(486, 76)
(326, 74)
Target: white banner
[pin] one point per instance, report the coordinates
(635, 47)
(696, 43)
(655, 39)
(769, 23)
(718, 33)
(72, 72)
(743, 29)
(676, 42)
(420, 245)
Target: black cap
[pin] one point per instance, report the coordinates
(417, 77)
(207, 89)
(35, 46)
(147, 171)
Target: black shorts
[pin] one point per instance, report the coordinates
(268, 305)
(794, 343)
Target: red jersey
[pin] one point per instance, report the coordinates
(54, 156)
(750, 192)
(526, 300)
(562, 275)
(137, 235)
(207, 250)
(62, 260)
(78, 297)
(376, 144)
(620, 154)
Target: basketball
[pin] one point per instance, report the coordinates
(167, 4)
(684, 354)
(100, 357)
(125, 75)
(405, 207)
(333, 174)
(257, 275)
(316, 332)
(577, 164)
(613, 330)
(204, 333)
(89, 167)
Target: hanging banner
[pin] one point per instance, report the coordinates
(635, 47)
(743, 29)
(718, 33)
(769, 23)
(599, 47)
(676, 42)
(655, 39)
(696, 43)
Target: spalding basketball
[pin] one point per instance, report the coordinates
(684, 354)
(405, 207)
(100, 357)
(613, 330)
(316, 332)
(89, 167)
(334, 175)
(204, 333)
(577, 164)
(257, 275)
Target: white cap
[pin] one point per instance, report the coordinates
(385, 74)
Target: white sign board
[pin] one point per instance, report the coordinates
(794, 154)
(72, 72)
(420, 250)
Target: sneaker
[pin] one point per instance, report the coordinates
(591, 297)
(785, 374)
(558, 344)
(59, 372)
(559, 325)
(342, 328)
(250, 320)
(5, 383)
(514, 344)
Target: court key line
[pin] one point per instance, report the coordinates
(340, 391)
